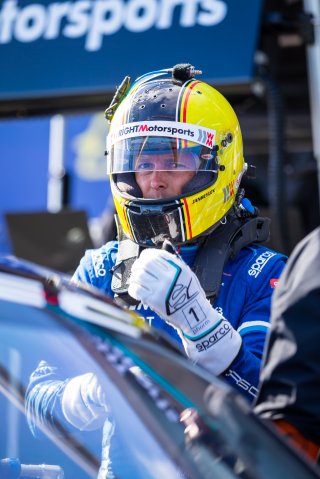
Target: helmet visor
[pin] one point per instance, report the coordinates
(142, 154)
(161, 145)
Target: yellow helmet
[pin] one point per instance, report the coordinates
(171, 109)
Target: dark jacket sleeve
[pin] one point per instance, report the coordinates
(290, 378)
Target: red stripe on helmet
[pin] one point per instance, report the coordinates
(188, 217)
(190, 88)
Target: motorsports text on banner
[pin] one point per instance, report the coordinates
(55, 48)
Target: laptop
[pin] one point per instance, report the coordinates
(56, 240)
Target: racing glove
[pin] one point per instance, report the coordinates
(83, 402)
(165, 283)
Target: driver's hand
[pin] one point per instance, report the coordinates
(165, 283)
(83, 402)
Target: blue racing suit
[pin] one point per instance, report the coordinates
(244, 300)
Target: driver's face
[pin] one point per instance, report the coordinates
(161, 176)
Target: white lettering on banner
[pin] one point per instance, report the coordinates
(95, 19)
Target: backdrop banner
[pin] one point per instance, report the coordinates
(58, 48)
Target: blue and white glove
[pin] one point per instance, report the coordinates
(166, 284)
(83, 402)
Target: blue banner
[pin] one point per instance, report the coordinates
(56, 48)
(24, 169)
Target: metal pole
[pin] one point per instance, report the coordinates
(313, 62)
(56, 168)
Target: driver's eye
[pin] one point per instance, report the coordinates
(145, 165)
(172, 165)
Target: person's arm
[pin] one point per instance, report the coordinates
(167, 285)
(69, 404)
(244, 371)
(290, 386)
(95, 267)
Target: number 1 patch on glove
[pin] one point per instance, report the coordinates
(182, 297)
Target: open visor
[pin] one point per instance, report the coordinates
(147, 153)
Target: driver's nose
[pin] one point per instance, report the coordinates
(158, 180)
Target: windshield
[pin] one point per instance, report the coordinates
(144, 408)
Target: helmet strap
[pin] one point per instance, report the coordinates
(128, 252)
(224, 243)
